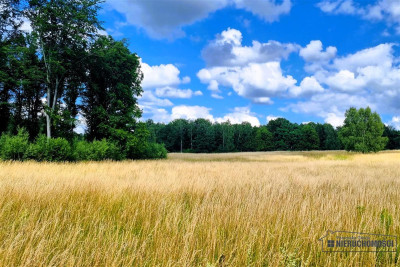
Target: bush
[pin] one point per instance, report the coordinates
(14, 147)
(97, 150)
(145, 150)
(53, 149)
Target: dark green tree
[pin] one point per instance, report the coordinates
(204, 136)
(284, 134)
(263, 139)
(63, 30)
(224, 135)
(362, 131)
(393, 137)
(308, 137)
(331, 141)
(244, 135)
(111, 91)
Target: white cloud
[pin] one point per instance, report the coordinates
(239, 115)
(149, 99)
(236, 116)
(81, 125)
(217, 96)
(272, 118)
(395, 122)
(227, 50)
(26, 26)
(315, 56)
(255, 81)
(346, 81)
(165, 18)
(308, 86)
(161, 75)
(269, 10)
(176, 93)
(330, 106)
(191, 113)
(334, 119)
(381, 55)
(382, 10)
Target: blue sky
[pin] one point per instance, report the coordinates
(255, 60)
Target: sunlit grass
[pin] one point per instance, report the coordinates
(237, 209)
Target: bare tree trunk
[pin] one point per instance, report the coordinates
(47, 115)
(48, 119)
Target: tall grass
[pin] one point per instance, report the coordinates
(245, 209)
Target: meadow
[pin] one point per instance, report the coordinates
(236, 209)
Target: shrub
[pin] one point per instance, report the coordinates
(97, 150)
(53, 149)
(145, 150)
(14, 147)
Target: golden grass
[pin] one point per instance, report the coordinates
(256, 209)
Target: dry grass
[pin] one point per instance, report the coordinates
(256, 209)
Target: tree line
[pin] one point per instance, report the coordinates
(203, 136)
(62, 69)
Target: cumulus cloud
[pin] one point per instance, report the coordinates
(315, 57)
(165, 18)
(381, 10)
(369, 77)
(269, 10)
(161, 75)
(176, 93)
(256, 81)
(253, 72)
(395, 122)
(191, 113)
(345, 80)
(308, 86)
(330, 106)
(239, 115)
(227, 50)
(149, 99)
(236, 116)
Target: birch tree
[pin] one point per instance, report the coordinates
(63, 30)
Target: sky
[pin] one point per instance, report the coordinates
(256, 60)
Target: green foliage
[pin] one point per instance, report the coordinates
(263, 139)
(113, 83)
(283, 132)
(309, 139)
(138, 146)
(362, 131)
(49, 149)
(393, 137)
(97, 150)
(14, 147)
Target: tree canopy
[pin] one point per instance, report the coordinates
(362, 131)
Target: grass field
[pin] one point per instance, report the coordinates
(239, 209)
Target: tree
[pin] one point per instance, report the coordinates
(263, 139)
(224, 136)
(244, 137)
(362, 131)
(284, 133)
(393, 137)
(63, 30)
(111, 91)
(309, 139)
(331, 141)
(204, 136)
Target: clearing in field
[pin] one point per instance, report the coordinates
(239, 209)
